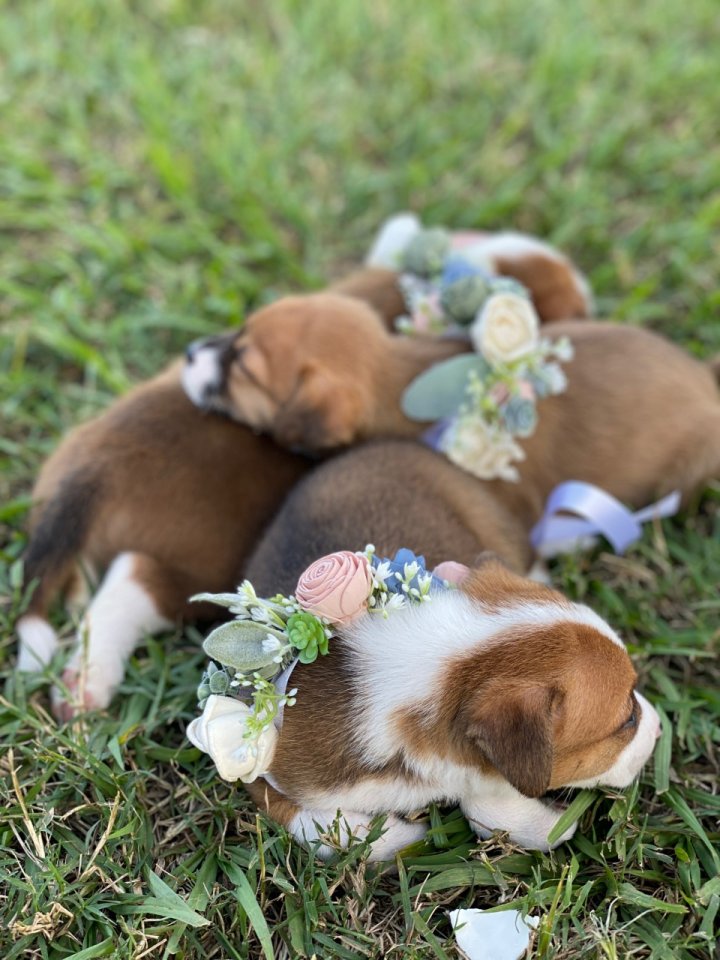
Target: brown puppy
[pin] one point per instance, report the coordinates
(640, 417)
(486, 696)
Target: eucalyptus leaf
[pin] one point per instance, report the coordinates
(241, 645)
(440, 390)
(219, 599)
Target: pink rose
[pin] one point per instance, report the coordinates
(451, 571)
(336, 587)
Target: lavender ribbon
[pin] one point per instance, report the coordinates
(433, 436)
(597, 512)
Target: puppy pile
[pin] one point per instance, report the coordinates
(475, 686)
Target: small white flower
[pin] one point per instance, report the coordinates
(555, 377)
(506, 328)
(270, 643)
(395, 601)
(563, 349)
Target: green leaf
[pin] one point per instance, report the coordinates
(246, 897)
(104, 949)
(239, 644)
(440, 390)
(576, 809)
(663, 754)
(219, 599)
(165, 903)
(631, 895)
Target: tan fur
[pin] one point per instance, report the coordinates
(552, 282)
(192, 491)
(640, 416)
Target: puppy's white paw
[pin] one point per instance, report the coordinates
(397, 835)
(37, 642)
(80, 692)
(309, 826)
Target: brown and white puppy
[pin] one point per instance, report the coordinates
(640, 416)
(487, 696)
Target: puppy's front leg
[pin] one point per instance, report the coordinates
(527, 821)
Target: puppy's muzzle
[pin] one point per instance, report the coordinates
(204, 375)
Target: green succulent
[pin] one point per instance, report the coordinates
(463, 298)
(214, 680)
(425, 254)
(307, 635)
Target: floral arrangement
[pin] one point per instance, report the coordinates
(244, 697)
(486, 401)
(445, 286)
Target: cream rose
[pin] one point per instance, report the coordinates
(482, 450)
(506, 329)
(336, 587)
(219, 731)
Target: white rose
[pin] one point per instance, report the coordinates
(506, 328)
(482, 450)
(219, 732)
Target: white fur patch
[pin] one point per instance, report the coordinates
(633, 758)
(201, 372)
(37, 642)
(398, 661)
(309, 826)
(120, 615)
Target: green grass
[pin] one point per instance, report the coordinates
(166, 165)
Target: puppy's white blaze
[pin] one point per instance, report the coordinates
(397, 661)
(121, 613)
(311, 825)
(204, 371)
(634, 756)
(37, 641)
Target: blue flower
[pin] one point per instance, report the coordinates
(456, 268)
(397, 565)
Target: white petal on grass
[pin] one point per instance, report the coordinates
(482, 935)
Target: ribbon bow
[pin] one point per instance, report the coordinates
(597, 512)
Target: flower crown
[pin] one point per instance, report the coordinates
(445, 286)
(258, 649)
(482, 402)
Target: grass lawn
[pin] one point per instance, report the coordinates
(167, 164)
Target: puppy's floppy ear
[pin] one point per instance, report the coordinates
(513, 728)
(322, 412)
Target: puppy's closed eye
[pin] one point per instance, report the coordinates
(321, 413)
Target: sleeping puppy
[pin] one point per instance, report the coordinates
(639, 418)
(486, 696)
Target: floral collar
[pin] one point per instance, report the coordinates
(483, 402)
(244, 697)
